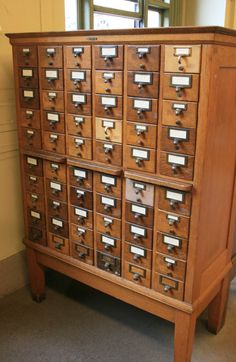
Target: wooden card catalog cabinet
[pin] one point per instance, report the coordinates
(127, 147)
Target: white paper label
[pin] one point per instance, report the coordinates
(78, 98)
(57, 222)
(140, 104)
(26, 50)
(51, 74)
(140, 153)
(53, 137)
(107, 75)
(52, 95)
(179, 106)
(108, 51)
(30, 132)
(27, 73)
(108, 101)
(138, 209)
(53, 117)
(139, 186)
(33, 196)
(107, 220)
(54, 166)
(180, 80)
(177, 133)
(29, 113)
(107, 201)
(32, 178)
(79, 141)
(80, 192)
(143, 50)
(171, 241)
(81, 212)
(55, 186)
(172, 217)
(35, 214)
(81, 231)
(78, 50)
(28, 94)
(182, 51)
(143, 78)
(137, 251)
(78, 75)
(108, 146)
(108, 124)
(56, 203)
(51, 50)
(170, 261)
(177, 160)
(79, 119)
(107, 240)
(108, 180)
(139, 127)
(32, 161)
(172, 195)
(80, 173)
(137, 230)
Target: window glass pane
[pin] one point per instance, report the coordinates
(71, 15)
(154, 19)
(118, 4)
(105, 21)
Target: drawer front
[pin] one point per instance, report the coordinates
(142, 110)
(59, 227)
(56, 190)
(51, 79)
(143, 84)
(139, 214)
(108, 263)
(79, 103)
(141, 134)
(108, 184)
(174, 201)
(143, 57)
(181, 87)
(29, 118)
(55, 171)
(26, 55)
(179, 114)
(29, 98)
(108, 130)
(81, 198)
(80, 177)
(109, 82)
(34, 184)
(35, 201)
(78, 56)
(108, 225)
(50, 56)
(79, 125)
(33, 165)
(78, 80)
(28, 77)
(137, 274)
(110, 153)
(173, 224)
(141, 159)
(54, 121)
(81, 217)
(168, 286)
(108, 57)
(138, 235)
(139, 192)
(176, 165)
(57, 209)
(182, 59)
(36, 235)
(172, 246)
(31, 138)
(108, 244)
(81, 235)
(59, 244)
(108, 106)
(171, 267)
(108, 205)
(180, 140)
(53, 100)
(138, 255)
(82, 253)
(54, 142)
(80, 147)
(36, 218)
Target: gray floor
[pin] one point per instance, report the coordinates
(76, 323)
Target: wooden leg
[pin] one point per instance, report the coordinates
(184, 336)
(217, 308)
(36, 276)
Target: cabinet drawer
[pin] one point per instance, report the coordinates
(180, 140)
(108, 106)
(181, 87)
(36, 218)
(80, 147)
(108, 184)
(79, 125)
(139, 192)
(78, 56)
(137, 255)
(79, 103)
(51, 78)
(29, 118)
(139, 214)
(55, 171)
(108, 225)
(138, 235)
(172, 246)
(50, 56)
(57, 209)
(108, 263)
(53, 100)
(59, 227)
(54, 121)
(108, 56)
(56, 190)
(78, 80)
(141, 134)
(35, 201)
(174, 201)
(179, 114)
(168, 286)
(108, 205)
(37, 235)
(108, 130)
(109, 82)
(59, 244)
(80, 216)
(176, 165)
(80, 177)
(34, 184)
(31, 138)
(81, 235)
(108, 244)
(29, 98)
(82, 253)
(143, 57)
(33, 165)
(143, 84)
(81, 198)
(28, 77)
(182, 58)
(110, 153)
(142, 110)
(54, 142)
(173, 224)
(142, 159)
(137, 274)
(174, 268)
(27, 55)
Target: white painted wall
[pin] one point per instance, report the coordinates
(205, 12)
